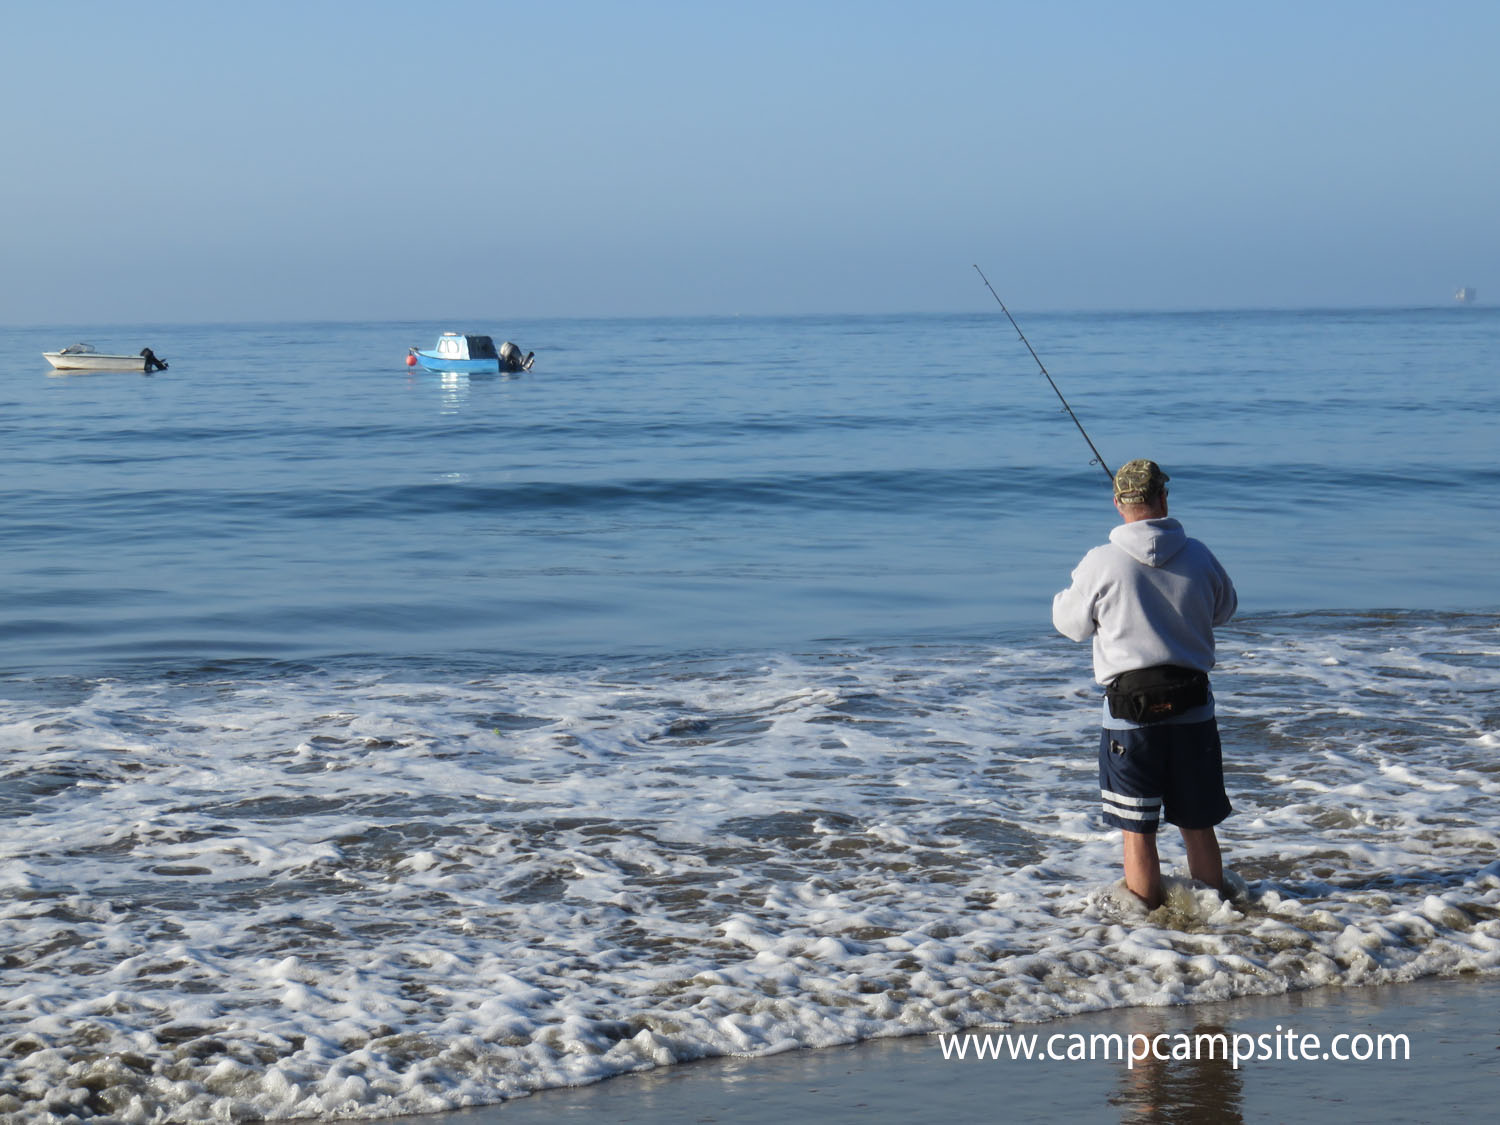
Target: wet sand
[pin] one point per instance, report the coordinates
(1453, 1073)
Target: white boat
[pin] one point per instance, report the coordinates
(84, 357)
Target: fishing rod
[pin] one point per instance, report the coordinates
(1098, 457)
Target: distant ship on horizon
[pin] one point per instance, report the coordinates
(1466, 295)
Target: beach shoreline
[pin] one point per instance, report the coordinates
(697, 696)
(1450, 1024)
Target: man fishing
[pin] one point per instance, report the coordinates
(1150, 598)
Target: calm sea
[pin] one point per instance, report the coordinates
(378, 741)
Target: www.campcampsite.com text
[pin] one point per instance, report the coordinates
(1281, 1045)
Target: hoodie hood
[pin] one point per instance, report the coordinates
(1153, 542)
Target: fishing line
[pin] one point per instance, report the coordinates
(1098, 457)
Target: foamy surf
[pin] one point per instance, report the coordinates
(362, 893)
(1187, 902)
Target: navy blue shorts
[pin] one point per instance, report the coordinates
(1171, 771)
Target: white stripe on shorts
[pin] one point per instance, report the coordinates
(1138, 802)
(1152, 817)
(1147, 810)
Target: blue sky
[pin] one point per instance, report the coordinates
(453, 158)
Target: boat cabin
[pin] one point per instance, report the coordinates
(451, 345)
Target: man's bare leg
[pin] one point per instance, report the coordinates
(1204, 861)
(1143, 867)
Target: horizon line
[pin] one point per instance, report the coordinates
(1034, 311)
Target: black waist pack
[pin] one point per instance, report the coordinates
(1149, 695)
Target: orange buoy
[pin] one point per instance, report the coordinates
(411, 360)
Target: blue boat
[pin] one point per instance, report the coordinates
(474, 355)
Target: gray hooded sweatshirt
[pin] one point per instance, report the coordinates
(1149, 596)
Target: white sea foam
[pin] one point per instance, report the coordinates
(360, 894)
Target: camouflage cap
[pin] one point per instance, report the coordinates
(1139, 482)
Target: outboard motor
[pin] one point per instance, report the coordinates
(152, 363)
(511, 358)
